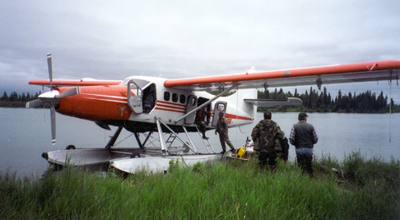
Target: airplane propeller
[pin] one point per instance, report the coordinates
(34, 104)
(52, 98)
(67, 93)
(50, 68)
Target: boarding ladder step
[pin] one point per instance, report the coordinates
(206, 142)
(170, 139)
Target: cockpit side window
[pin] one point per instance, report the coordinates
(182, 99)
(149, 98)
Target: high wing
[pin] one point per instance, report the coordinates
(345, 73)
(274, 102)
(82, 82)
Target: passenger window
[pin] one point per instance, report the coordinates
(174, 97)
(166, 96)
(221, 107)
(182, 99)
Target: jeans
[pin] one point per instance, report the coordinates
(304, 159)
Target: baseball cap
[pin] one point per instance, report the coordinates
(302, 115)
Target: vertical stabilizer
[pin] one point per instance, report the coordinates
(238, 106)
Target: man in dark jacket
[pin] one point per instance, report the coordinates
(264, 136)
(303, 137)
(200, 121)
(222, 130)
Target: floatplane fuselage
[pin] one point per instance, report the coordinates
(138, 111)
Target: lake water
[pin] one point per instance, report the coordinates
(25, 135)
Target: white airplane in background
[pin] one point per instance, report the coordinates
(144, 105)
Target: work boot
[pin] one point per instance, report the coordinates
(204, 135)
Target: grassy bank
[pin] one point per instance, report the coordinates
(358, 189)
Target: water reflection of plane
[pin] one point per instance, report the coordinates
(144, 105)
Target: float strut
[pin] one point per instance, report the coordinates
(141, 145)
(114, 138)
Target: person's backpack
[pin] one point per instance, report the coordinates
(284, 144)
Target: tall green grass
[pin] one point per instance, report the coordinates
(365, 189)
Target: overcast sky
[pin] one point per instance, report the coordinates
(179, 39)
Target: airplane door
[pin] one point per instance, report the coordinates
(135, 102)
(219, 107)
(191, 104)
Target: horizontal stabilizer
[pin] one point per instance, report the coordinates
(274, 102)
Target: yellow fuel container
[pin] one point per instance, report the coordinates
(241, 152)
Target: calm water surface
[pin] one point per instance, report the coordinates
(25, 135)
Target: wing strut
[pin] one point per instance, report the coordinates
(390, 106)
(206, 103)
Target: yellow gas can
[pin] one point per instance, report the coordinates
(241, 152)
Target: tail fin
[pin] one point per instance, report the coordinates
(239, 106)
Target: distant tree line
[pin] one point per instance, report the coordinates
(16, 100)
(322, 101)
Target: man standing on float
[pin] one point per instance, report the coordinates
(222, 129)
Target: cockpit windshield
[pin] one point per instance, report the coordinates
(140, 82)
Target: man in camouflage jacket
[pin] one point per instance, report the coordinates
(264, 136)
(222, 129)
